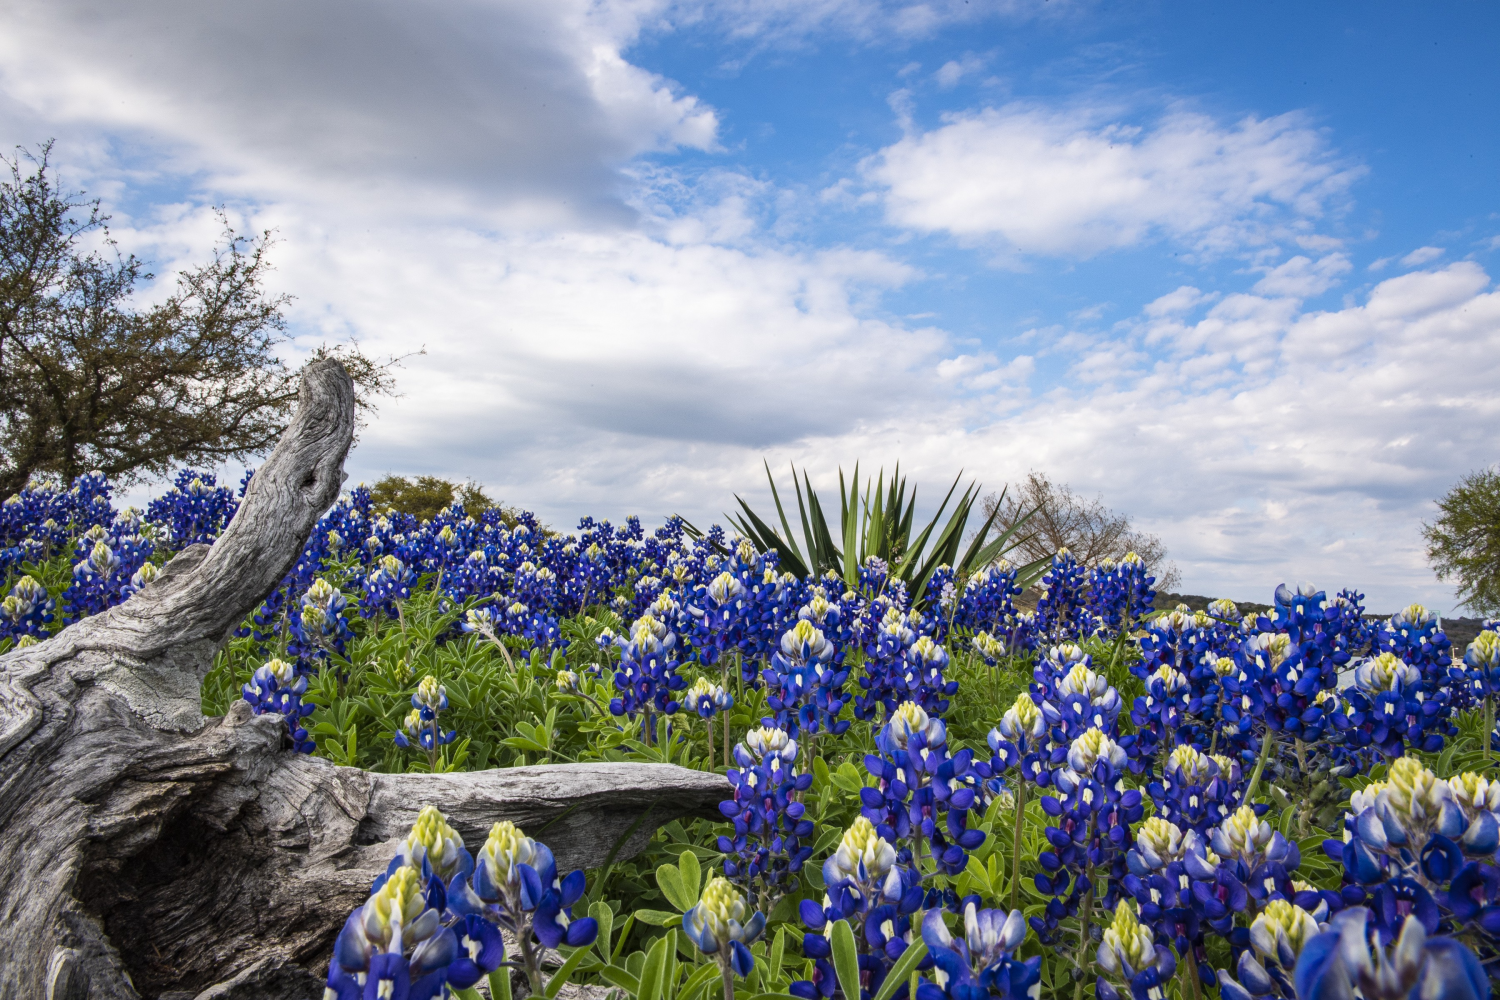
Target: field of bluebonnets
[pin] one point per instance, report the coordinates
(933, 791)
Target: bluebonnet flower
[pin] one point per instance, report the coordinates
(708, 700)
(195, 511)
(1278, 936)
(1351, 956)
(1076, 701)
(805, 683)
(1390, 708)
(103, 573)
(1414, 634)
(1018, 741)
(319, 626)
(887, 635)
(422, 725)
(395, 945)
(1130, 958)
(922, 792)
(1182, 888)
(1119, 593)
(1093, 814)
(433, 848)
(988, 597)
(1196, 791)
(720, 924)
(647, 676)
(1059, 609)
(990, 648)
(922, 677)
(1479, 673)
(725, 620)
(387, 587)
(277, 687)
(866, 887)
(26, 610)
(767, 851)
(515, 885)
(141, 578)
(1256, 854)
(1411, 835)
(981, 964)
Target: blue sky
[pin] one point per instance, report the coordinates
(1228, 266)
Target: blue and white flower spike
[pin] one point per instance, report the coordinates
(1349, 961)
(394, 946)
(980, 964)
(721, 925)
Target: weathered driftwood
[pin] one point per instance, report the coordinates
(146, 850)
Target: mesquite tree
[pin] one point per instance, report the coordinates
(88, 382)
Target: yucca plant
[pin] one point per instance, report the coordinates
(877, 519)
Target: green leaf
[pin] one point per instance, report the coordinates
(622, 978)
(605, 918)
(562, 975)
(653, 972)
(692, 876)
(669, 878)
(778, 952)
(845, 958)
(658, 918)
(904, 966)
(704, 976)
(500, 983)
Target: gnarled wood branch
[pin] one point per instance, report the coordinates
(146, 851)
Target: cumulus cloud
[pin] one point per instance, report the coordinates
(1421, 255)
(1045, 182)
(1318, 462)
(952, 72)
(523, 105)
(781, 22)
(1301, 277)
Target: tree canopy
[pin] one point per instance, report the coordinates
(1463, 544)
(1085, 527)
(424, 496)
(90, 382)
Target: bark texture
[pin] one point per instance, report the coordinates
(146, 851)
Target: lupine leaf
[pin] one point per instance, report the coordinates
(654, 971)
(905, 966)
(562, 975)
(845, 958)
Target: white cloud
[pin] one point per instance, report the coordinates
(1177, 301)
(1302, 277)
(952, 72)
(1421, 255)
(1049, 183)
(792, 22)
(521, 106)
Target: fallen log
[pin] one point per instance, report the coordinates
(146, 851)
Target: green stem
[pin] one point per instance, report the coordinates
(1266, 743)
(1084, 913)
(530, 960)
(1489, 728)
(727, 976)
(1195, 988)
(1015, 860)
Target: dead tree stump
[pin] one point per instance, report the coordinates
(148, 851)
